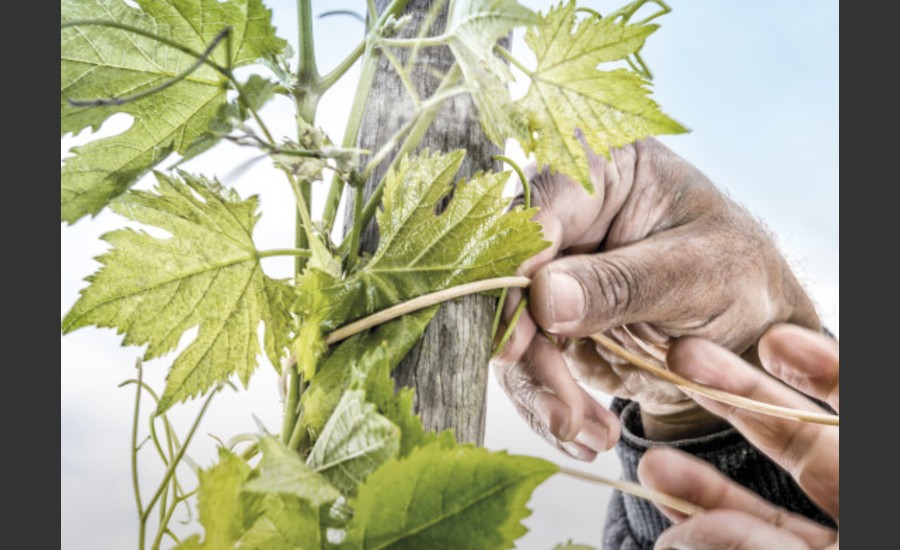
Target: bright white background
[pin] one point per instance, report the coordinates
(757, 83)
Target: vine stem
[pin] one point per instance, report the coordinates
(356, 228)
(307, 71)
(354, 122)
(154, 437)
(298, 435)
(166, 511)
(504, 53)
(526, 185)
(425, 41)
(302, 210)
(501, 302)
(134, 448)
(637, 490)
(422, 122)
(422, 302)
(170, 471)
(514, 320)
(498, 313)
(284, 252)
(426, 25)
(583, 9)
(168, 516)
(642, 363)
(335, 191)
(428, 109)
(647, 364)
(404, 77)
(306, 101)
(242, 97)
(626, 12)
(306, 98)
(329, 79)
(290, 402)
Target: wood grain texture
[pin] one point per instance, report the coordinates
(449, 366)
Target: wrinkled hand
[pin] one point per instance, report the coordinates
(656, 254)
(737, 518)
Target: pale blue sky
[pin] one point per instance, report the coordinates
(757, 83)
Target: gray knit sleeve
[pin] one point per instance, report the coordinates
(634, 524)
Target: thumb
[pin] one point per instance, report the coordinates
(728, 529)
(652, 281)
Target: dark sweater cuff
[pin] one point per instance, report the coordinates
(635, 523)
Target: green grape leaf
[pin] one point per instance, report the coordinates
(282, 523)
(569, 545)
(355, 441)
(420, 251)
(385, 344)
(190, 543)
(282, 472)
(573, 105)
(206, 275)
(398, 408)
(257, 91)
(280, 64)
(101, 62)
(462, 497)
(473, 28)
(234, 516)
(219, 502)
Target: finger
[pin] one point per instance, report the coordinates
(568, 215)
(655, 396)
(542, 369)
(543, 414)
(601, 429)
(687, 477)
(551, 415)
(727, 529)
(805, 359)
(809, 452)
(541, 407)
(592, 369)
(595, 367)
(549, 369)
(571, 220)
(667, 278)
(650, 334)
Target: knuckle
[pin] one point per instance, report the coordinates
(547, 186)
(523, 390)
(525, 408)
(542, 184)
(613, 286)
(519, 385)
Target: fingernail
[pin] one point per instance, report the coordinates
(581, 453)
(706, 367)
(563, 428)
(566, 298)
(594, 436)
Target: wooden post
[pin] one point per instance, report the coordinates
(449, 366)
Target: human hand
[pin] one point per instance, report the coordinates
(656, 254)
(737, 518)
